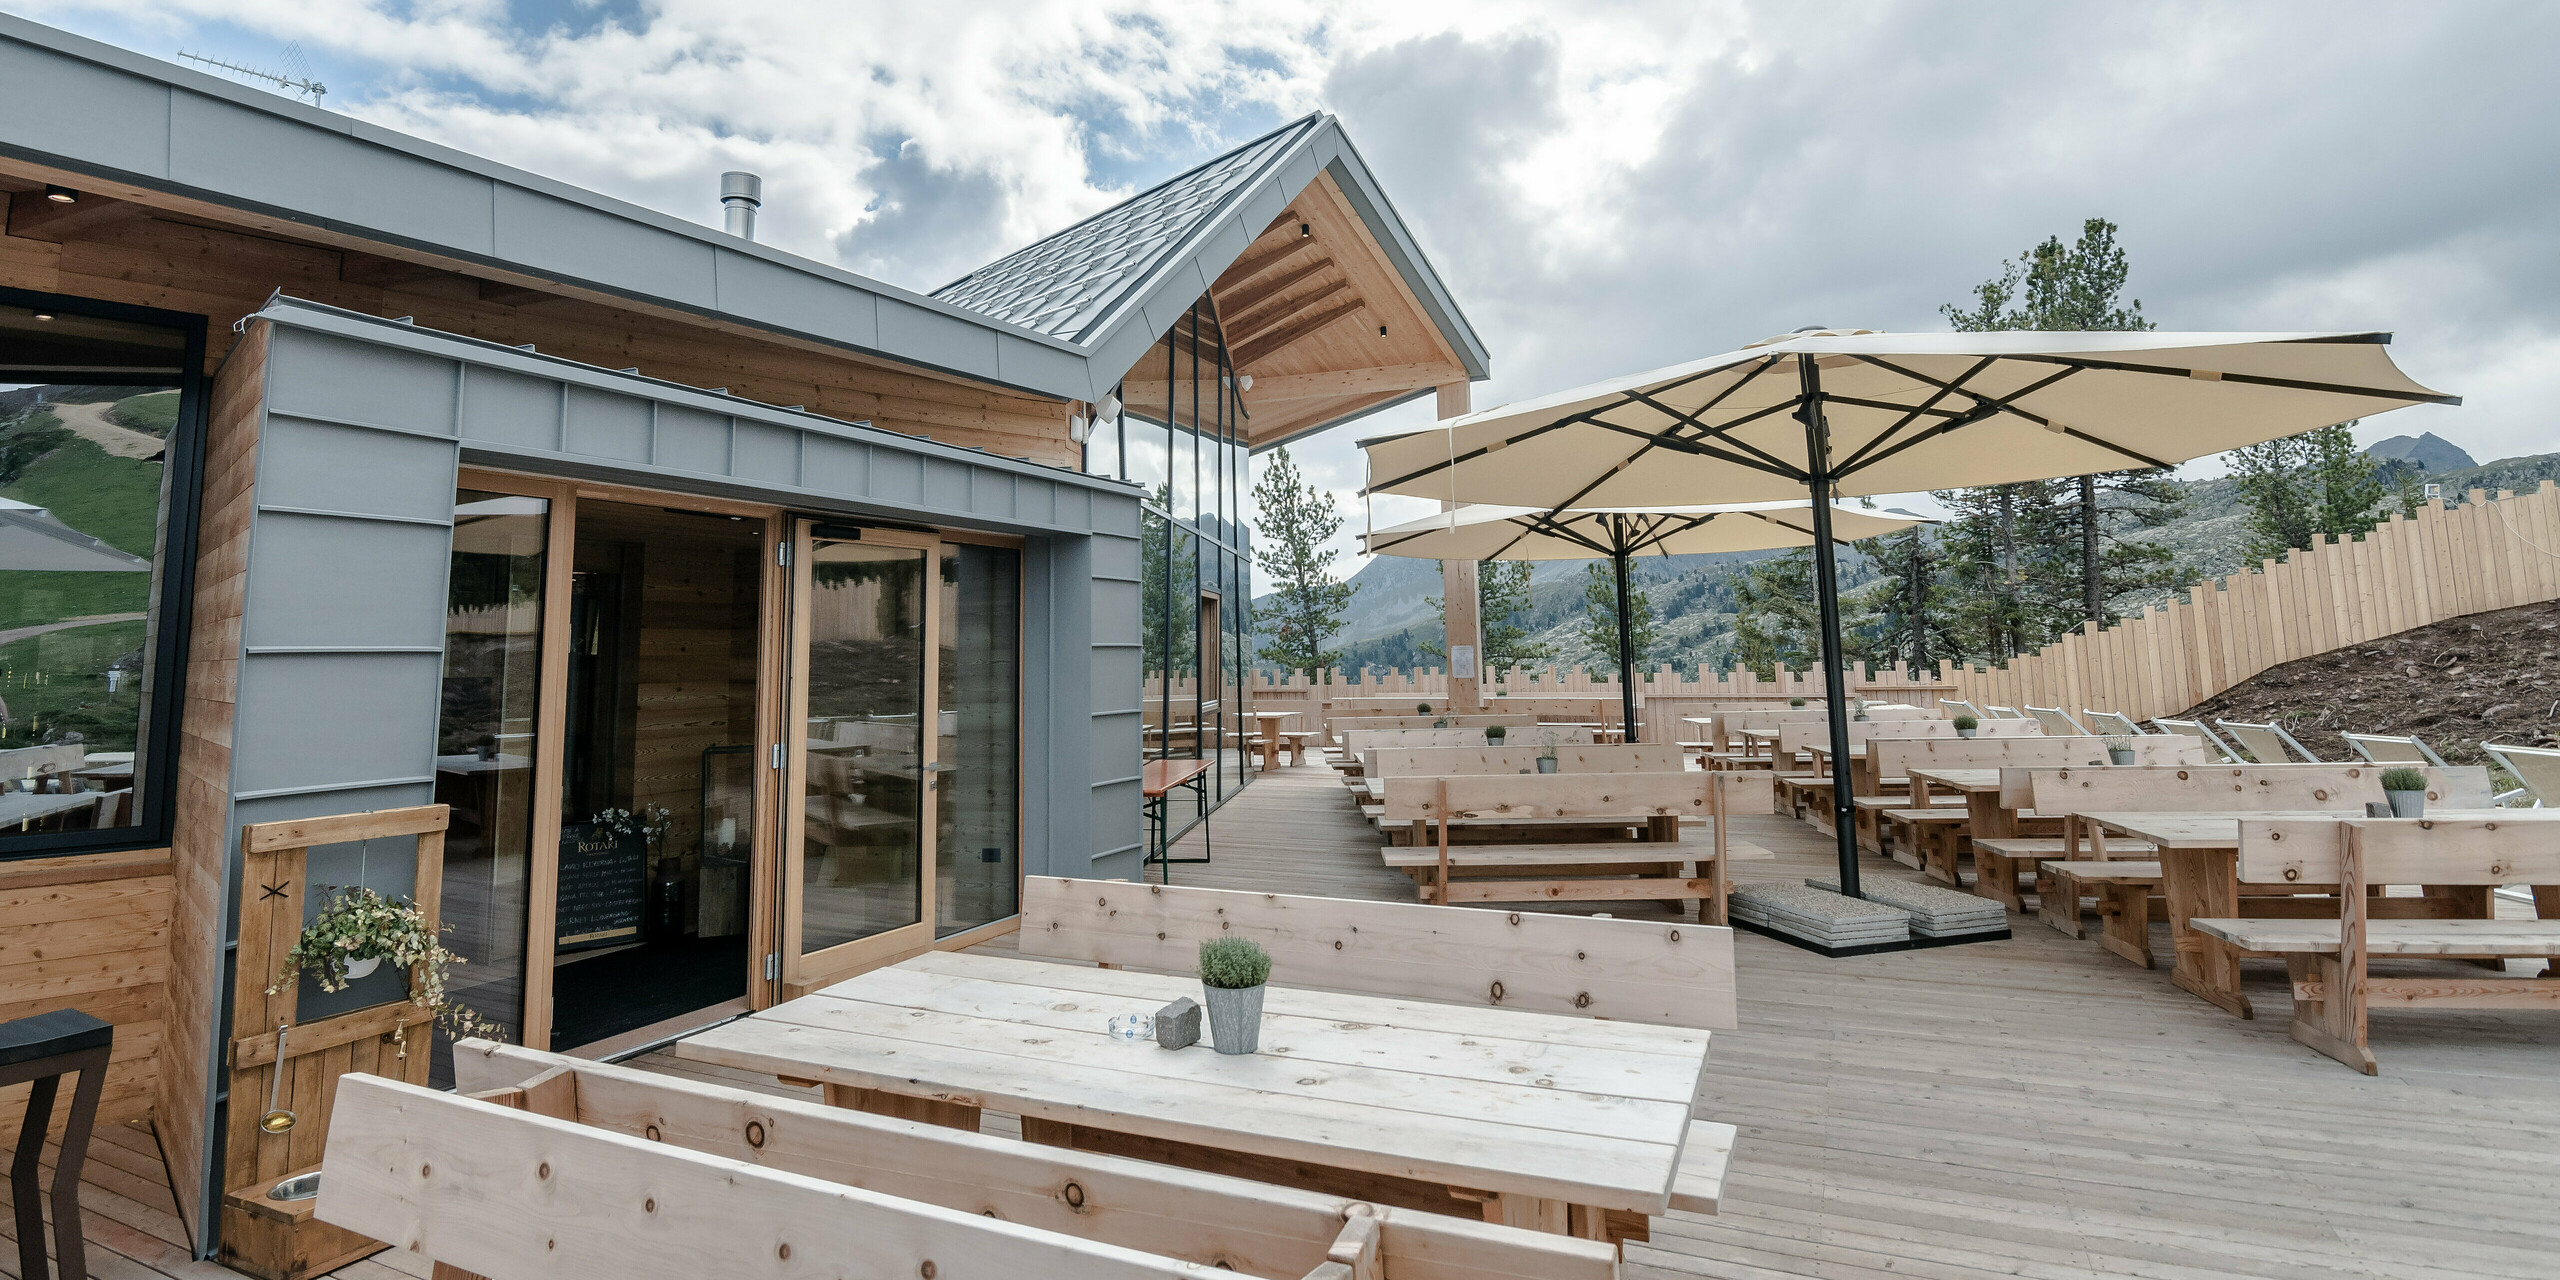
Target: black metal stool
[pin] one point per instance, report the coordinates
(43, 1049)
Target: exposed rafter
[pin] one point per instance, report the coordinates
(1265, 345)
(1243, 329)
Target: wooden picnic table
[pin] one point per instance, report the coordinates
(24, 808)
(2199, 857)
(1533, 1119)
(1269, 723)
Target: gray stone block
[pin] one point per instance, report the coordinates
(1178, 1024)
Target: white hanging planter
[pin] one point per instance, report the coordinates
(363, 967)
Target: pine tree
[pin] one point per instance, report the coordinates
(1600, 617)
(2076, 288)
(1905, 620)
(2303, 488)
(1776, 623)
(1295, 520)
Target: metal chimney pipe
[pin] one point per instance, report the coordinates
(742, 194)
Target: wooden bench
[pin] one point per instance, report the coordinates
(2000, 861)
(545, 1165)
(1929, 840)
(2123, 891)
(2329, 961)
(1624, 870)
(1295, 741)
(1635, 971)
(1617, 801)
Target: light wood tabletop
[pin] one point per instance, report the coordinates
(1964, 780)
(1592, 1113)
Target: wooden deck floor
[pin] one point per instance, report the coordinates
(2033, 1108)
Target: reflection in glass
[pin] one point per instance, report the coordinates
(485, 748)
(976, 809)
(81, 494)
(862, 783)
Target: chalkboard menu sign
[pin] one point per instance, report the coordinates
(604, 884)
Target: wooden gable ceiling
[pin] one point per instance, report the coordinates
(1323, 323)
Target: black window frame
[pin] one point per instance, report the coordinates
(156, 783)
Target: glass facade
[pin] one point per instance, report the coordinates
(95, 407)
(1181, 434)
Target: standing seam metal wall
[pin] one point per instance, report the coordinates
(366, 423)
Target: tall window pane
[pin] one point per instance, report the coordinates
(977, 799)
(485, 747)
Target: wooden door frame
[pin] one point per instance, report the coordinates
(542, 872)
(801, 971)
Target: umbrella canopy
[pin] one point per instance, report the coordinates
(1903, 412)
(1830, 412)
(30, 538)
(1535, 533)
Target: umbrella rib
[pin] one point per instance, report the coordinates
(2253, 379)
(1716, 433)
(1986, 409)
(1957, 387)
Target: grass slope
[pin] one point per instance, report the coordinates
(116, 500)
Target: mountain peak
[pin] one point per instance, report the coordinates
(2429, 452)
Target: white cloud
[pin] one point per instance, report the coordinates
(1606, 188)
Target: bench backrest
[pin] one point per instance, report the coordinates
(1897, 757)
(1407, 762)
(1814, 713)
(1507, 719)
(1358, 740)
(1796, 737)
(2524, 849)
(825, 1169)
(2205, 788)
(1674, 974)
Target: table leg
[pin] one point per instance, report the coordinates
(2124, 912)
(2058, 902)
(1532, 1213)
(26, 1176)
(2203, 883)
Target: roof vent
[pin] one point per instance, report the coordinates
(741, 194)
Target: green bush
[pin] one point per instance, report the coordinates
(1795, 702)
(1422, 708)
(1232, 964)
(152, 412)
(1967, 722)
(2403, 779)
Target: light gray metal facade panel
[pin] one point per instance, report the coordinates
(762, 453)
(693, 440)
(510, 408)
(321, 466)
(752, 286)
(63, 107)
(316, 375)
(937, 339)
(318, 582)
(839, 466)
(217, 145)
(1033, 364)
(579, 242)
(603, 425)
(336, 719)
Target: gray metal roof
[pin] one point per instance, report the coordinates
(1065, 285)
(78, 105)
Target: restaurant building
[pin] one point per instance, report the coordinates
(759, 622)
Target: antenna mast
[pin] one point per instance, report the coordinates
(298, 86)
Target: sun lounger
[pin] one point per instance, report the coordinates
(2267, 743)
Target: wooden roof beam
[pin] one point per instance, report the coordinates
(1265, 345)
(1261, 257)
(1246, 297)
(1244, 329)
(33, 217)
(1331, 384)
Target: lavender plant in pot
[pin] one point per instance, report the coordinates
(2406, 789)
(1546, 751)
(2119, 749)
(1232, 974)
(1966, 726)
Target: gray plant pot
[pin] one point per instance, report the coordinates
(1235, 1018)
(2407, 804)
(2119, 757)
(1546, 764)
(1967, 733)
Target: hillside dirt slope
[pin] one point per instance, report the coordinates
(2483, 677)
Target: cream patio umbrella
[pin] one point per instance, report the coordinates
(1825, 413)
(1534, 533)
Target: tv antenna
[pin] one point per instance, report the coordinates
(299, 84)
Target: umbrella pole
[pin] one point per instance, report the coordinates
(1826, 579)
(1626, 644)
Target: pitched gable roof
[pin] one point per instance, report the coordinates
(1066, 284)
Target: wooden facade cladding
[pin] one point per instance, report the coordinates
(160, 251)
(183, 1094)
(90, 933)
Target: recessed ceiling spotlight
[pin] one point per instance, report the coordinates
(44, 315)
(1382, 331)
(61, 194)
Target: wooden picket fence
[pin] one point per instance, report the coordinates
(2408, 572)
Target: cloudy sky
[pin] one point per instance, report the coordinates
(1605, 187)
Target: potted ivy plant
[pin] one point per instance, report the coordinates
(2406, 789)
(2119, 749)
(355, 931)
(1232, 972)
(1966, 726)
